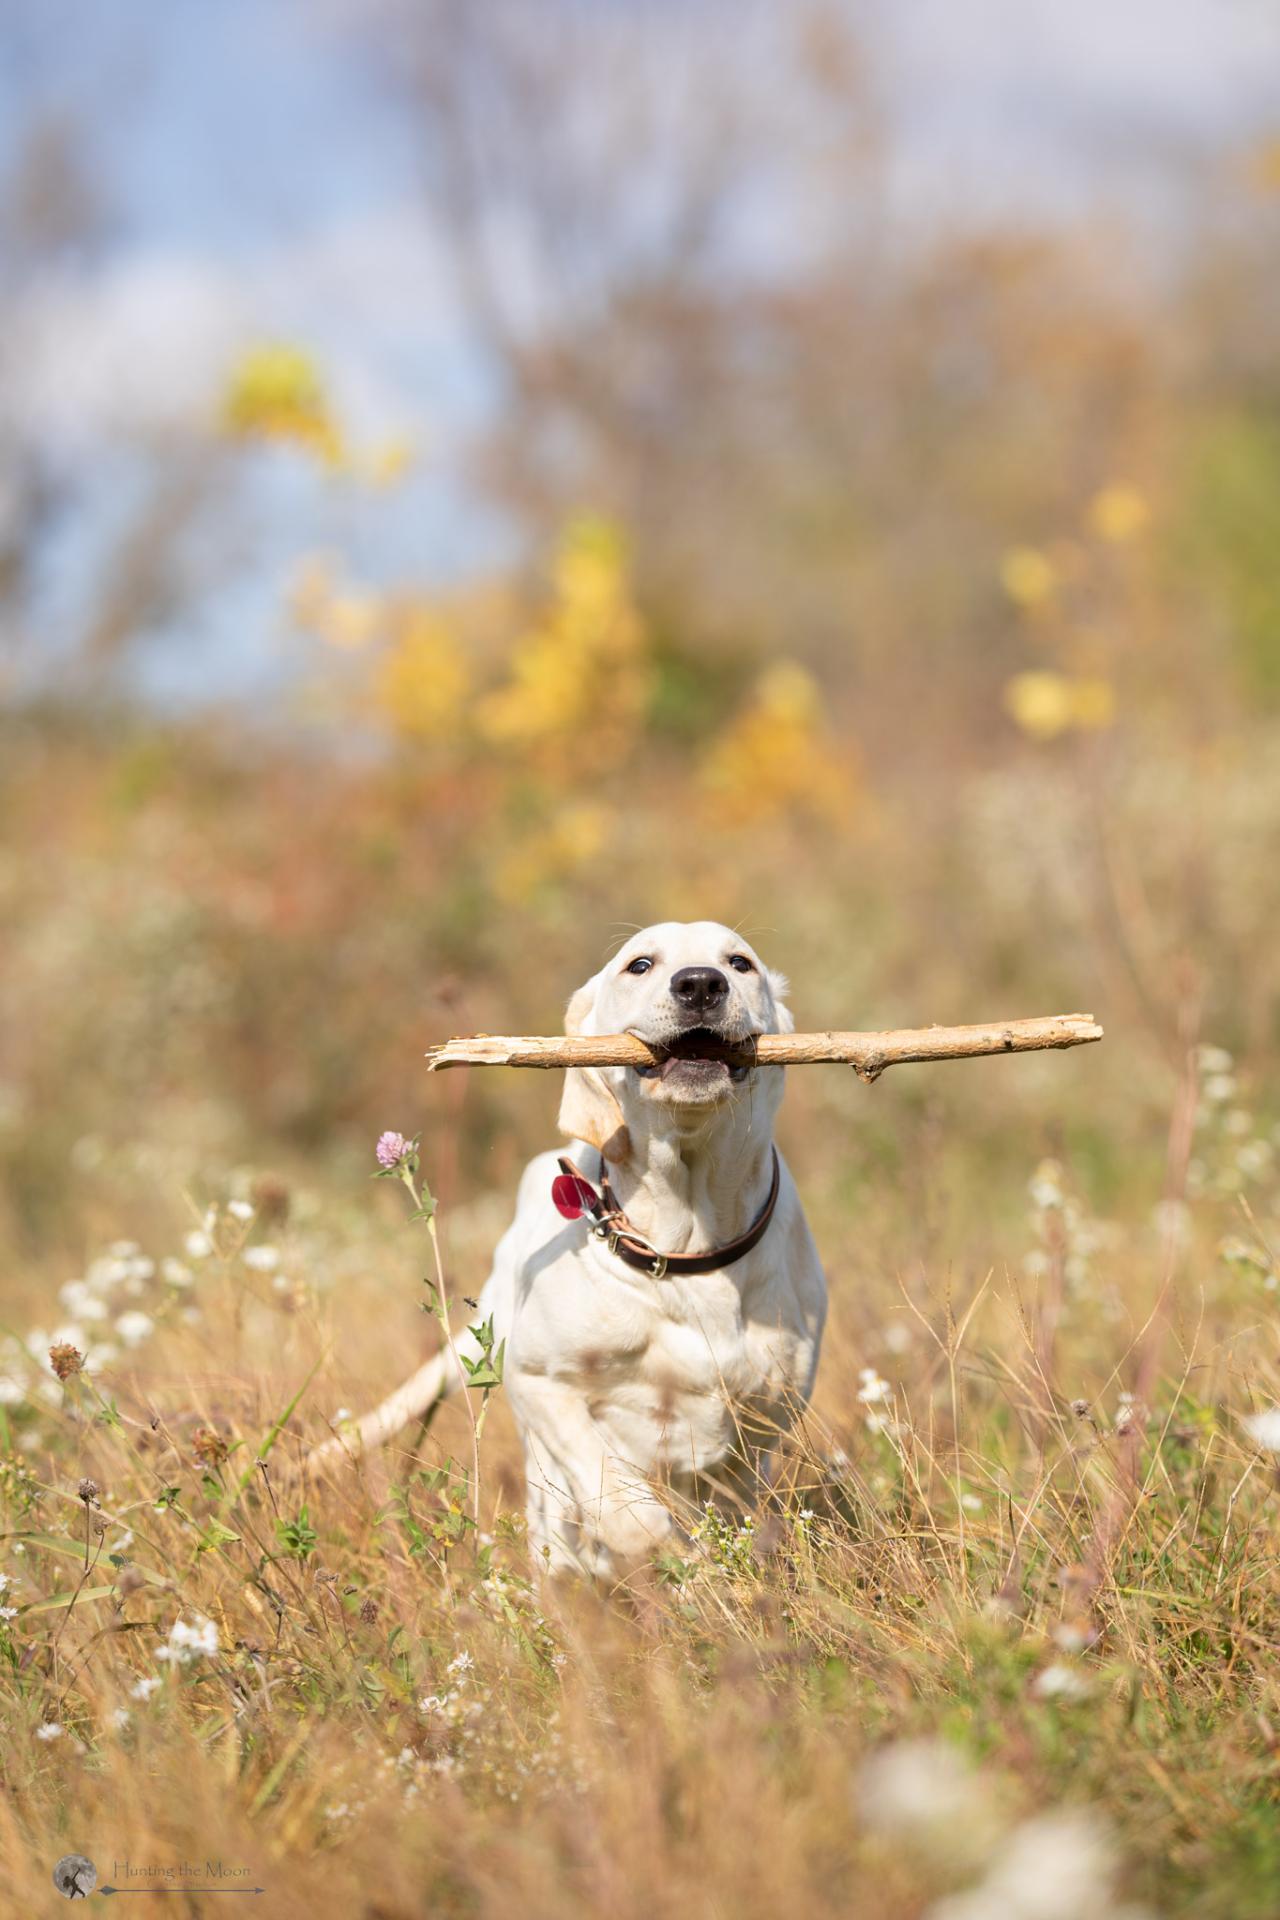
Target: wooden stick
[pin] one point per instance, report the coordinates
(867, 1053)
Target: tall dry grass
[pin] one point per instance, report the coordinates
(1002, 1639)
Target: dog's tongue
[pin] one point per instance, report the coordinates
(701, 1064)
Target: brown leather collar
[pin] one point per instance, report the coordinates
(610, 1224)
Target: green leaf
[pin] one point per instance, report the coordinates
(58, 1543)
(65, 1600)
(278, 1426)
(215, 1535)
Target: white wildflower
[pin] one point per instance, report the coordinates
(175, 1273)
(1219, 1088)
(262, 1259)
(922, 1788)
(1255, 1159)
(123, 1249)
(1214, 1059)
(1060, 1682)
(239, 1209)
(106, 1273)
(135, 1326)
(49, 1731)
(144, 1688)
(1264, 1428)
(874, 1391)
(198, 1244)
(1172, 1221)
(188, 1642)
(120, 1718)
(79, 1300)
(1056, 1867)
(461, 1663)
(1045, 1186)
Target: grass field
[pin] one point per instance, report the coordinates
(1001, 1643)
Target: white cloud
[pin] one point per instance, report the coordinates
(141, 344)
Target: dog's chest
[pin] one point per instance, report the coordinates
(671, 1371)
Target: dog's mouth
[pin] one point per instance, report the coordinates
(704, 1053)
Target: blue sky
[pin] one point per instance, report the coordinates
(261, 181)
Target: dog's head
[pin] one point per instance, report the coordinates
(673, 985)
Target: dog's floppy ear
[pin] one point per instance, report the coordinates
(780, 987)
(588, 1108)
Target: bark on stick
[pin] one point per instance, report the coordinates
(867, 1053)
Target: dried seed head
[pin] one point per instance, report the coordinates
(1080, 1408)
(88, 1491)
(130, 1580)
(270, 1195)
(209, 1447)
(66, 1359)
(369, 1611)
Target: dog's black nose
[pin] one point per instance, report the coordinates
(699, 989)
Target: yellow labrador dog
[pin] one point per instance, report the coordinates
(659, 1290)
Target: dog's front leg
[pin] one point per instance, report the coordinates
(588, 1508)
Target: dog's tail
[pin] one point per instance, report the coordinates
(437, 1379)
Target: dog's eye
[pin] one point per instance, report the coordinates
(740, 963)
(641, 965)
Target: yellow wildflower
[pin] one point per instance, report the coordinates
(422, 682)
(580, 678)
(1028, 576)
(1047, 704)
(275, 393)
(1118, 512)
(774, 758)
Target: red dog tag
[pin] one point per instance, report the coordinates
(573, 1196)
